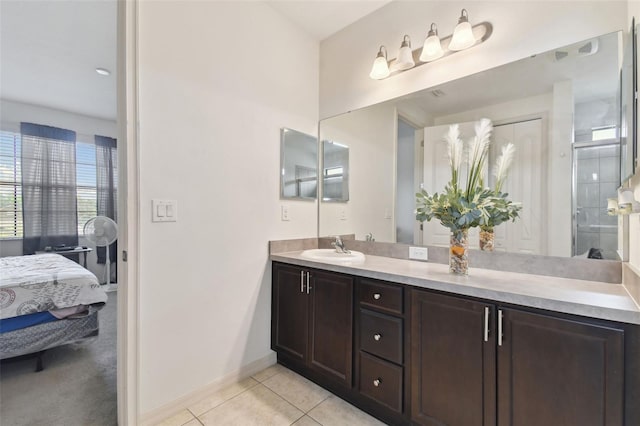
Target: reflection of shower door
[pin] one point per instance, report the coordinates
(596, 177)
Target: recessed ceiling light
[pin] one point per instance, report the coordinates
(103, 71)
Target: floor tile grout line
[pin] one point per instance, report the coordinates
(296, 420)
(285, 400)
(262, 381)
(228, 399)
(325, 398)
(292, 403)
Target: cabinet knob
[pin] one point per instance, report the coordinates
(377, 382)
(376, 296)
(377, 337)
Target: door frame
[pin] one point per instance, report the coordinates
(128, 212)
(417, 124)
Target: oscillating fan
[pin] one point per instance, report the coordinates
(102, 231)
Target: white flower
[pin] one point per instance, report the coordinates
(501, 168)
(455, 150)
(478, 154)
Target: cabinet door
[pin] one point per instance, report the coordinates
(553, 371)
(452, 366)
(331, 326)
(290, 312)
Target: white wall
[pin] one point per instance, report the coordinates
(520, 29)
(13, 113)
(370, 136)
(217, 82)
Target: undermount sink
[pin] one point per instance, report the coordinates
(330, 255)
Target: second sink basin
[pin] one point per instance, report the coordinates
(330, 255)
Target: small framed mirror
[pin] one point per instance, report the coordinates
(299, 165)
(335, 171)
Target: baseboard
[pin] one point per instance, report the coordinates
(159, 414)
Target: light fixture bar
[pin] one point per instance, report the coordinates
(481, 32)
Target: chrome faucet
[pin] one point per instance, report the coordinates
(338, 244)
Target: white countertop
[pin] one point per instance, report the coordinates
(587, 298)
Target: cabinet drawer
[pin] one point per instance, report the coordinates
(381, 296)
(381, 381)
(381, 335)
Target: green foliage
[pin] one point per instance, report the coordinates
(476, 206)
(455, 211)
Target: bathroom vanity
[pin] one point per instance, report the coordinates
(411, 344)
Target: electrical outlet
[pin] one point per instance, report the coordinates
(284, 212)
(418, 253)
(343, 214)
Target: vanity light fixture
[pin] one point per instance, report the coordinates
(405, 56)
(464, 37)
(432, 48)
(463, 34)
(380, 67)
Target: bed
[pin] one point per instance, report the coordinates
(46, 300)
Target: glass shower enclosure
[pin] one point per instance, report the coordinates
(596, 169)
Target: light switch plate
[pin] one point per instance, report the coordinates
(418, 253)
(164, 210)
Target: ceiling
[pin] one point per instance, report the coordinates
(322, 18)
(49, 49)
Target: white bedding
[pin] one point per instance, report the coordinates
(43, 282)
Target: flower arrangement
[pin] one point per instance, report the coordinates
(465, 205)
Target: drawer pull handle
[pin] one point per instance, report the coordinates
(376, 296)
(377, 382)
(377, 337)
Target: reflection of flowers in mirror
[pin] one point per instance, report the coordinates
(460, 207)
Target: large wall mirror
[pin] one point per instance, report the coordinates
(298, 165)
(562, 110)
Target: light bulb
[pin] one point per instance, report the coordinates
(432, 49)
(380, 68)
(405, 55)
(463, 34)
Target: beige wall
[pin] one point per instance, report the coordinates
(217, 81)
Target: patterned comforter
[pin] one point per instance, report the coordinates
(43, 282)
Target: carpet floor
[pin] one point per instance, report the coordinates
(77, 386)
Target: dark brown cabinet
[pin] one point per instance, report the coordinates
(558, 371)
(475, 363)
(414, 356)
(452, 361)
(312, 320)
(380, 341)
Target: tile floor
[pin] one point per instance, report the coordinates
(274, 396)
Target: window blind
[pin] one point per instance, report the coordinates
(86, 182)
(10, 185)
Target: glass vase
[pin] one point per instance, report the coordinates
(458, 251)
(487, 238)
